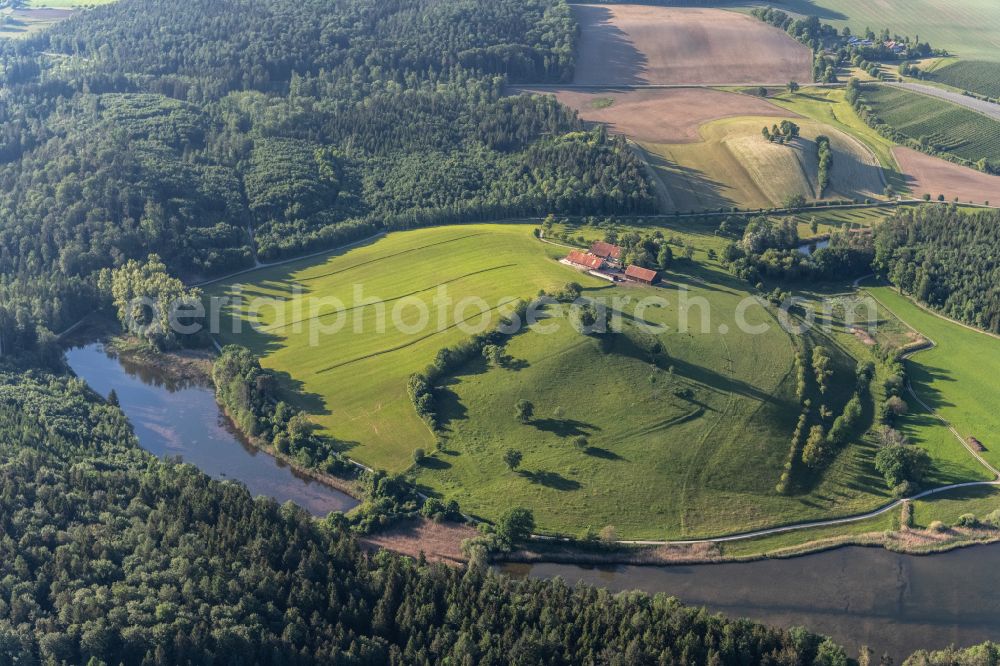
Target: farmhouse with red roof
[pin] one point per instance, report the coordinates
(585, 260)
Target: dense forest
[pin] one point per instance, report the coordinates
(215, 132)
(946, 259)
(108, 555)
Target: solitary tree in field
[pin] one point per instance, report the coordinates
(512, 458)
(516, 525)
(524, 410)
(581, 442)
(793, 87)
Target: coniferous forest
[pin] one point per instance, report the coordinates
(110, 556)
(211, 131)
(946, 259)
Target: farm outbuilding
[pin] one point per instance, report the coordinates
(584, 260)
(639, 274)
(976, 444)
(606, 251)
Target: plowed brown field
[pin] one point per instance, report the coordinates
(639, 44)
(663, 115)
(926, 174)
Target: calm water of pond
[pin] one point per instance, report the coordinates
(810, 248)
(893, 603)
(184, 420)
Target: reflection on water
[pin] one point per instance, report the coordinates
(893, 603)
(182, 419)
(810, 248)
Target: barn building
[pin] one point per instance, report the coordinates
(639, 274)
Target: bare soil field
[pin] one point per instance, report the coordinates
(662, 115)
(926, 174)
(639, 44)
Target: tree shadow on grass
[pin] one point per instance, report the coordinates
(553, 480)
(515, 364)
(565, 427)
(604, 454)
(449, 407)
(432, 462)
(313, 403)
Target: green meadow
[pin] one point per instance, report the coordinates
(354, 383)
(685, 431)
(957, 378)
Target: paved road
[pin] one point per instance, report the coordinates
(986, 108)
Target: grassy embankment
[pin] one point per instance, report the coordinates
(733, 165)
(828, 105)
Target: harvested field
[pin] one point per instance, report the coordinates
(735, 166)
(926, 174)
(663, 115)
(633, 44)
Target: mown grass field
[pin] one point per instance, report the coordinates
(957, 378)
(974, 75)
(829, 221)
(354, 384)
(945, 126)
(657, 465)
(828, 106)
(734, 165)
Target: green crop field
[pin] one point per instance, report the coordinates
(957, 377)
(354, 384)
(974, 75)
(946, 126)
(968, 28)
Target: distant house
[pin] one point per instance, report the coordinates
(606, 251)
(976, 444)
(639, 274)
(584, 260)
